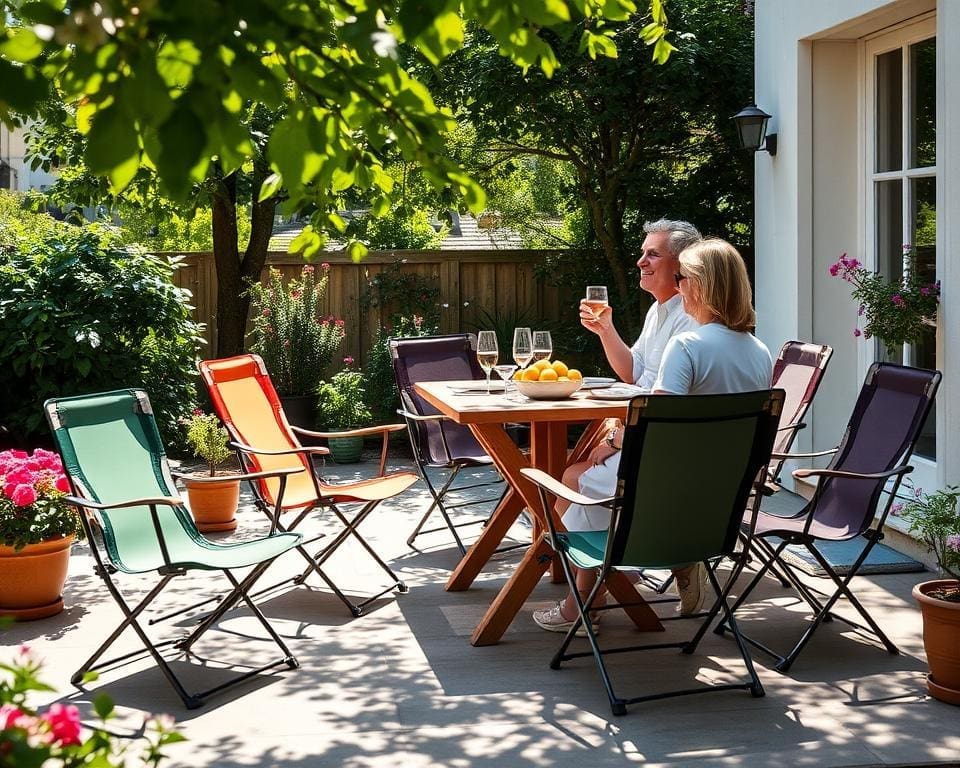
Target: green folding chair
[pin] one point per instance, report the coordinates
(135, 524)
(661, 519)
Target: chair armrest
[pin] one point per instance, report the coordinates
(241, 476)
(901, 470)
(167, 501)
(558, 489)
(316, 450)
(362, 432)
(789, 427)
(814, 455)
(418, 417)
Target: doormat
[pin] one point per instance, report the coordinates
(842, 554)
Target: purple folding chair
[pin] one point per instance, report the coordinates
(880, 437)
(437, 441)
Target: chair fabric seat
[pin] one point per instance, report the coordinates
(585, 548)
(788, 527)
(373, 489)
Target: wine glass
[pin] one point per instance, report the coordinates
(596, 299)
(487, 353)
(542, 345)
(505, 372)
(522, 347)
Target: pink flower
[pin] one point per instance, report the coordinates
(953, 542)
(64, 723)
(24, 495)
(266, 312)
(898, 301)
(62, 484)
(860, 310)
(308, 269)
(925, 291)
(896, 509)
(12, 717)
(296, 295)
(856, 332)
(348, 360)
(339, 323)
(325, 266)
(834, 269)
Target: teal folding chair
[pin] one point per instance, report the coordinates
(135, 524)
(660, 519)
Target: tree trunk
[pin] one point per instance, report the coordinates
(234, 272)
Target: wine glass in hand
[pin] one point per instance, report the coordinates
(522, 347)
(542, 345)
(487, 353)
(596, 299)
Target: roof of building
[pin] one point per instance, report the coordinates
(466, 233)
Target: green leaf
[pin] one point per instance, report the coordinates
(23, 88)
(112, 140)
(182, 139)
(356, 251)
(103, 706)
(21, 45)
(270, 187)
(416, 15)
(176, 61)
(441, 37)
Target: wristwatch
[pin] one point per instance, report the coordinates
(609, 439)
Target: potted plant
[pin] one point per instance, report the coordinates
(342, 407)
(37, 527)
(895, 311)
(934, 517)
(213, 498)
(297, 343)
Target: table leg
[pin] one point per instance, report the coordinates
(548, 451)
(622, 590)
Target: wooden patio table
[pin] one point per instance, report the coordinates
(486, 416)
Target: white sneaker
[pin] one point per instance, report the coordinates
(692, 588)
(551, 619)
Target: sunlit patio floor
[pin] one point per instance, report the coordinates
(402, 686)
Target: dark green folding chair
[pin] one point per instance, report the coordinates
(663, 519)
(135, 524)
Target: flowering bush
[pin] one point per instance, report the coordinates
(31, 739)
(402, 293)
(341, 400)
(894, 311)
(296, 343)
(32, 507)
(208, 439)
(935, 518)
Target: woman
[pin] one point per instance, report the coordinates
(721, 356)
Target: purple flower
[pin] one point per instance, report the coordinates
(898, 301)
(953, 542)
(834, 269)
(860, 310)
(856, 332)
(896, 509)
(924, 291)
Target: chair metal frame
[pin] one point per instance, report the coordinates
(643, 528)
(420, 418)
(315, 495)
(165, 518)
(842, 488)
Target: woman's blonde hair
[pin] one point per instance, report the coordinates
(722, 278)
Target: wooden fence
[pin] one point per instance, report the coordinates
(500, 283)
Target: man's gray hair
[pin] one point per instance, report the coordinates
(682, 233)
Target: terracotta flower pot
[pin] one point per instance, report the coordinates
(214, 504)
(941, 640)
(31, 579)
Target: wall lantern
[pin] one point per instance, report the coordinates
(752, 129)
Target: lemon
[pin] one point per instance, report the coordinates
(531, 374)
(548, 374)
(574, 375)
(560, 367)
(541, 364)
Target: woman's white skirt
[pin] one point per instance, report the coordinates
(600, 481)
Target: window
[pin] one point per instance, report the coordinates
(901, 184)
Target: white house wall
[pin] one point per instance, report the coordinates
(809, 196)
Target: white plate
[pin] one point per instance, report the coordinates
(496, 385)
(617, 392)
(597, 382)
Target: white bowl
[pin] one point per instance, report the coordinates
(548, 390)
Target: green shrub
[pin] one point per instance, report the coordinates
(403, 294)
(378, 368)
(79, 313)
(341, 402)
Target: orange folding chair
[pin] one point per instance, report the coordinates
(245, 400)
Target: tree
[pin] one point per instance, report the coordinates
(158, 86)
(641, 140)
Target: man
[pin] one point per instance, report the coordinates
(658, 264)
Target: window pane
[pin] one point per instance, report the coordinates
(889, 235)
(924, 239)
(923, 77)
(889, 111)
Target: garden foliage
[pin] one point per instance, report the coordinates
(341, 402)
(380, 382)
(32, 505)
(81, 313)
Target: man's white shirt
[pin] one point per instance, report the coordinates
(663, 322)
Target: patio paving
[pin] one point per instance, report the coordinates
(401, 685)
